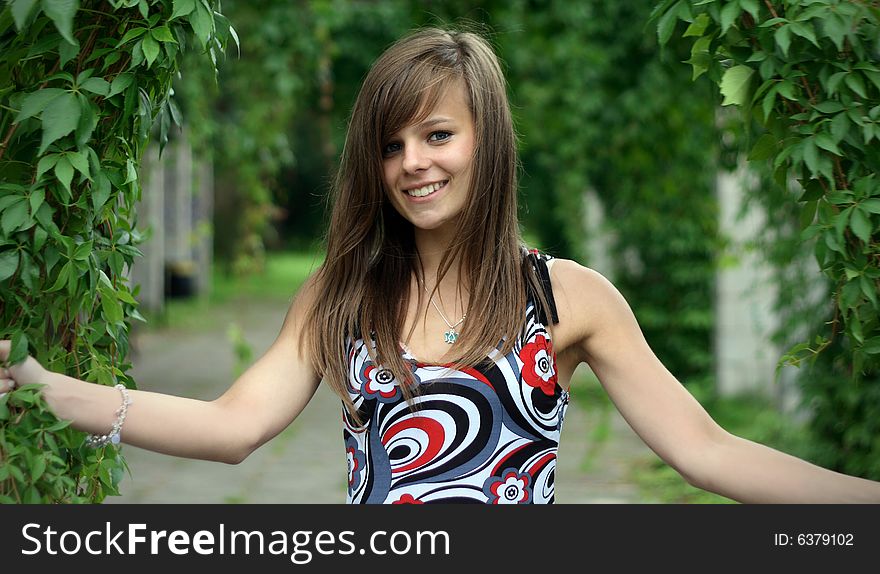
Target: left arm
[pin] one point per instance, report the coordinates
(605, 334)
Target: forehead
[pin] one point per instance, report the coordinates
(449, 103)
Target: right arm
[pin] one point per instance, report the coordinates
(260, 404)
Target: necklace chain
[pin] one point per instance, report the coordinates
(451, 335)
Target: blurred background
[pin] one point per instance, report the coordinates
(629, 166)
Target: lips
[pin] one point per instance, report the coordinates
(426, 190)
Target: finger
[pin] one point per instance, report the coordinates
(6, 385)
(5, 348)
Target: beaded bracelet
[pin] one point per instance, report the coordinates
(97, 441)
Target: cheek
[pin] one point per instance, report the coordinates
(395, 199)
(463, 162)
(463, 174)
(387, 174)
(388, 180)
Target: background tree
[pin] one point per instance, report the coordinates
(805, 74)
(600, 109)
(81, 85)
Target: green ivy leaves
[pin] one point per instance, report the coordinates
(806, 67)
(8, 264)
(64, 111)
(735, 85)
(61, 12)
(84, 89)
(200, 17)
(806, 72)
(59, 119)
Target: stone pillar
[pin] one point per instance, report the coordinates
(599, 241)
(745, 321)
(178, 205)
(180, 267)
(149, 271)
(203, 226)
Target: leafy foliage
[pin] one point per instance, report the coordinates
(81, 85)
(600, 109)
(805, 74)
(275, 129)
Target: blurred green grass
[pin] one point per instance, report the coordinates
(281, 278)
(284, 273)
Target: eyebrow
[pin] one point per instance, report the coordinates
(434, 121)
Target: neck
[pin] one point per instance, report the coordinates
(432, 245)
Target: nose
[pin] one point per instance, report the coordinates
(415, 159)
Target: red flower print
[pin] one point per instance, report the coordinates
(539, 365)
(407, 499)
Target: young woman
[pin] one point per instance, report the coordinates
(450, 345)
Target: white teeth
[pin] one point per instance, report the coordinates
(423, 191)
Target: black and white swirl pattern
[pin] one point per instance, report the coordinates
(486, 435)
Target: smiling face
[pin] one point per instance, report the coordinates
(427, 165)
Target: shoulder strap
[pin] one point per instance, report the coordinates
(539, 262)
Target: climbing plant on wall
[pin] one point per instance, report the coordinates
(82, 84)
(805, 74)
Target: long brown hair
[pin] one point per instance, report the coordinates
(364, 282)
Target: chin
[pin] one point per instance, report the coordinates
(427, 225)
(430, 224)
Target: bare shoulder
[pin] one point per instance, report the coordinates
(586, 301)
(579, 288)
(572, 274)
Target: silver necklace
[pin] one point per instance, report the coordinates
(450, 336)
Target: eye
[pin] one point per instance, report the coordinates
(439, 136)
(390, 149)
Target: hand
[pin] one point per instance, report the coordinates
(27, 372)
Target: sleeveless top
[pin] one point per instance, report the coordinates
(487, 434)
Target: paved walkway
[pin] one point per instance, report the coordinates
(305, 463)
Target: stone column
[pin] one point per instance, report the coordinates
(149, 271)
(203, 225)
(180, 267)
(745, 356)
(599, 240)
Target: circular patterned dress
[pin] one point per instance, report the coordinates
(487, 434)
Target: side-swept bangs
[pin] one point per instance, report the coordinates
(408, 89)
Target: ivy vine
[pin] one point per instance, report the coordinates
(806, 77)
(81, 86)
